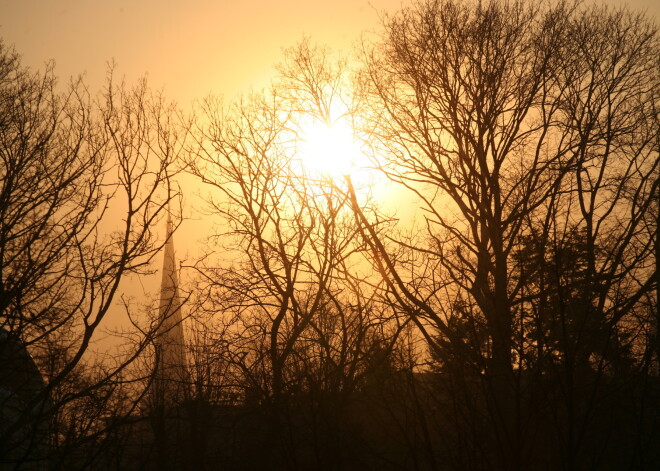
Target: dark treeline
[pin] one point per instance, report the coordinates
(512, 326)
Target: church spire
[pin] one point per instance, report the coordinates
(170, 348)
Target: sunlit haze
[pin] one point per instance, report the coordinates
(351, 234)
(189, 49)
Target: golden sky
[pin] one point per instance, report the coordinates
(187, 47)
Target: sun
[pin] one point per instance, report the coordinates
(329, 150)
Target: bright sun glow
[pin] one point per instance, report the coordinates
(330, 150)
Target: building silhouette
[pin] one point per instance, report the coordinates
(170, 371)
(24, 407)
(170, 377)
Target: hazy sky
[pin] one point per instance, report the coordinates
(189, 47)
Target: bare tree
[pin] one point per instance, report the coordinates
(287, 279)
(509, 120)
(83, 182)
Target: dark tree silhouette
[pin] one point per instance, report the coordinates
(82, 183)
(298, 316)
(514, 326)
(512, 123)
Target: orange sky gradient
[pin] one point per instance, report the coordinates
(188, 48)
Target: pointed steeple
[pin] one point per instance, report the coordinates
(171, 374)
